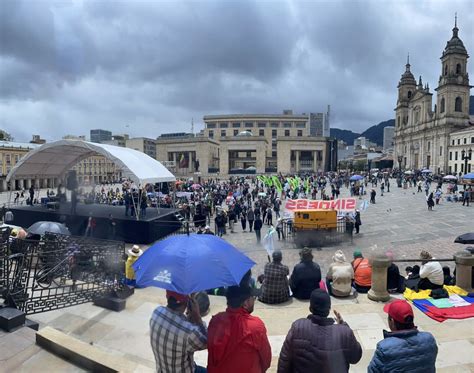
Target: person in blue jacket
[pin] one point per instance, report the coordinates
(404, 348)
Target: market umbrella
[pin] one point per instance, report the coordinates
(469, 176)
(196, 186)
(356, 178)
(466, 238)
(191, 263)
(426, 171)
(450, 177)
(408, 173)
(41, 227)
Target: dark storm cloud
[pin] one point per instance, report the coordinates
(69, 66)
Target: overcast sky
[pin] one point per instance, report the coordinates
(148, 67)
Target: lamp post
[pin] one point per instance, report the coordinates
(399, 180)
(466, 156)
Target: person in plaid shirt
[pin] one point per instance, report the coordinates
(175, 337)
(275, 287)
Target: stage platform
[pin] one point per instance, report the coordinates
(157, 223)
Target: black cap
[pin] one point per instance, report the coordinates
(320, 302)
(241, 293)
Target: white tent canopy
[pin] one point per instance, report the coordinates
(55, 159)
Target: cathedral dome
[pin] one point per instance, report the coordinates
(455, 45)
(407, 77)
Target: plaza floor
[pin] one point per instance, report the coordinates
(399, 222)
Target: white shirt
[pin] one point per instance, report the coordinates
(433, 272)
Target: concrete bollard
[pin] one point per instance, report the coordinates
(378, 291)
(464, 263)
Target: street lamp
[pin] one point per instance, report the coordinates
(466, 156)
(400, 159)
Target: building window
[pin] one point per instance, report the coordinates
(261, 132)
(236, 132)
(459, 141)
(440, 150)
(455, 156)
(441, 108)
(211, 134)
(274, 133)
(274, 124)
(287, 125)
(261, 124)
(472, 140)
(458, 104)
(455, 168)
(300, 133)
(224, 125)
(450, 156)
(453, 141)
(287, 133)
(236, 125)
(409, 94)
(274, 153)
(398, 121)
(300, 125)
(211, 125)
(465, 140)
(429, 146)
(248, 124)
(446, 69)
(222, 133)
(458, 68)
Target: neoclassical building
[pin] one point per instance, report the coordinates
(422, 132)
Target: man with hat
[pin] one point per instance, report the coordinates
(339, 276)
(133, 254)
(306, 275)
(237, 341)
(431, 273)
(319, 343)
(404, 348)
(275, 288)
(175, 337)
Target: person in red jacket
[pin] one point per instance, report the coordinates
(237, 341)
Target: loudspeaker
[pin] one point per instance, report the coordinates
(71, 181)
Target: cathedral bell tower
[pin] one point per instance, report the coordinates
(406, 90)
(453, 87)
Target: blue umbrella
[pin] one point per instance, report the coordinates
(356, 178)
(426, 171)
(187, 264)
(469, 176)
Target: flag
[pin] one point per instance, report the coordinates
(364, 205)
(277, 183)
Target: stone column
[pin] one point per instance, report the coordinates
(315, 161)
(4, 185)
(464, 263)
(21, 184)
(378, 291)
(28, 183)
(297, 161)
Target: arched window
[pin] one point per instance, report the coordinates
(398, 121)
(446, 69)
(441, 109)
(409, 94)
(458, 68)
(458, 104)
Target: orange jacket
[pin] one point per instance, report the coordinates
(362, 272)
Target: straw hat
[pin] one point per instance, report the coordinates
(135, 251)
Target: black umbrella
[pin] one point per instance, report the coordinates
(466, 238)
(41, 227)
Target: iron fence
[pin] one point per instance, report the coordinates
(59, 271)
(311, 236)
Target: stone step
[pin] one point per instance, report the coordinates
(82, 354)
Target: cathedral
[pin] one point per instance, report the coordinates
(422, 131)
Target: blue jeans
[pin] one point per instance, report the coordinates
(200, 369)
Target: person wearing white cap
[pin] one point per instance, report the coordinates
(339, 276)
(133, 254)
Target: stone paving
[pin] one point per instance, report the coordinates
(399, 221)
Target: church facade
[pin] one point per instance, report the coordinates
(422, 132)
